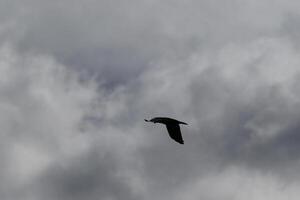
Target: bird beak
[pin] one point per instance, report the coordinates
(146, 120)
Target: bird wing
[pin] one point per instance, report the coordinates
(174, 132)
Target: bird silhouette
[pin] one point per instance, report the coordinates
(172, 127)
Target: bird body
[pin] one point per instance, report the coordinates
(172, 127)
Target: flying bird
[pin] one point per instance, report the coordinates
(172, 127)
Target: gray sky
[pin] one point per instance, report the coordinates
(77, 78)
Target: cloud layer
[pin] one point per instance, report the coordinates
(78, 78)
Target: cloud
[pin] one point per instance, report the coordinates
(47, 149)
(118, 40)
(78, 78)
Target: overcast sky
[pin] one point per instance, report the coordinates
(77, 78)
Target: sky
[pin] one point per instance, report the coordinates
(78, 78)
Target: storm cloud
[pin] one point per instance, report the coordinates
(78, 78)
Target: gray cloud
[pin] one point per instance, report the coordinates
(78, 78)
(91, 176)
(118, 40)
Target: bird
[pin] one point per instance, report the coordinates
(172, 127)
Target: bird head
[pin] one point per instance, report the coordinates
(149, 120)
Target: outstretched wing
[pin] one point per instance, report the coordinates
(174, 132)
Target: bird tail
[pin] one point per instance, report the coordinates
(182, 123)
(146, 120)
